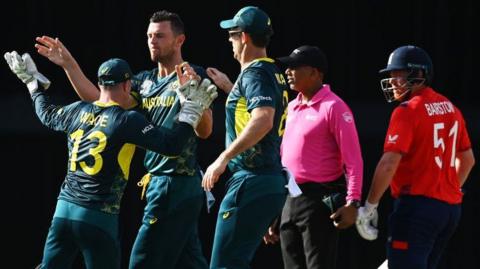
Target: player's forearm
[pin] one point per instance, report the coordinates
(383, 175)
(205, 126)
(170, 142)
(85, 89)
(464, 163)
(165, 141)
(257, 127)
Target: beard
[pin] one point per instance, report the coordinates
(155, 57)
(162, 56)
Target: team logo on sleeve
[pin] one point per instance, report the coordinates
(146, 86)
(347, 117)
(392, 139)
(147, 128)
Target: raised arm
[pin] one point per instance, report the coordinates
(56, 52)
(54, 117)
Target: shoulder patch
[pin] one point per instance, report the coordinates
(347, 117)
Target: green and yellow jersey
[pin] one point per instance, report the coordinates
(160, 104)
(260, 84)
(101, 138)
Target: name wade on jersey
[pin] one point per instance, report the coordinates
(90, 119)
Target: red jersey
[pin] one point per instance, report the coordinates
(428, 130)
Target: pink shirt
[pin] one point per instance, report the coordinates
(320, 142)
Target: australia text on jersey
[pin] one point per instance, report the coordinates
(151, 102)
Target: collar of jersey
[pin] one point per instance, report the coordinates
(173, 73)
(318, 97)
(420, 92)
(264, 59)
(107, 104)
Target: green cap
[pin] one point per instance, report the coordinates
(113, 72)
(251, 20)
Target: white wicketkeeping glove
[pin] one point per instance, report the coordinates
(195, 99)
(26, 70)
(367, 221)
(191, 113)
(184, 90)
(203, 94)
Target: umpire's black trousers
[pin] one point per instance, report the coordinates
(308, 237)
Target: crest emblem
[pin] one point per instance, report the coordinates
(146, 86)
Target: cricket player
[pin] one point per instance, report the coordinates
(101, 138)
(427, 158)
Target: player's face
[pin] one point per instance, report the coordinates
(235, 36)
(399, 82)
(300, 78)
(162, 41)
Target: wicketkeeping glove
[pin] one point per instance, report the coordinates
(195, 99)
(191, 113)
(367, 221)
(184, 90)
(203, 94)
(26, 70)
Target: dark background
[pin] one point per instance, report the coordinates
(357, 37)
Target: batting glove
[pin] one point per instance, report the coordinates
(367, 221)
(26, 70)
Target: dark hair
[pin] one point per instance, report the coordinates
(261, 40)
(174, 19)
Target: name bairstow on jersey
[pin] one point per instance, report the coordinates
(439, 108)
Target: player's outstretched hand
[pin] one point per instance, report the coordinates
(54, 50)
(220, 79)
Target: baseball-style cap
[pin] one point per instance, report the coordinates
(251, 20)
(306, 56)
(113, 72)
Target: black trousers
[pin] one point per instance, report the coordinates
(307, 235)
